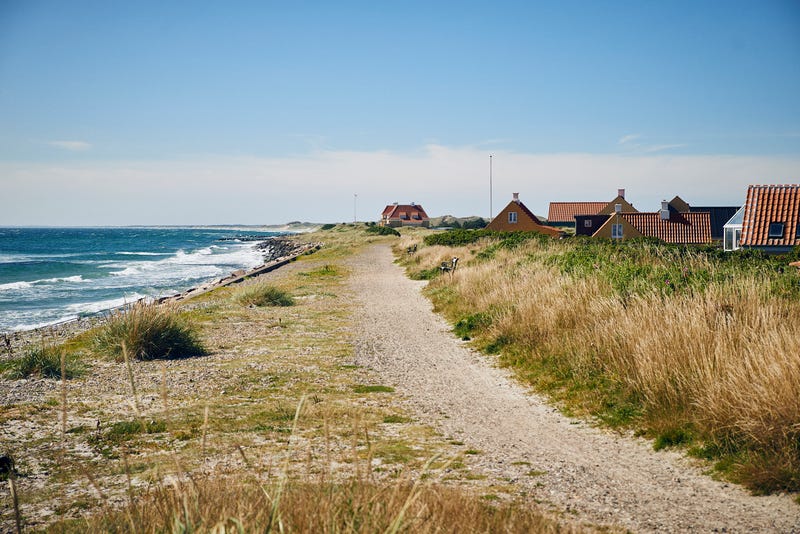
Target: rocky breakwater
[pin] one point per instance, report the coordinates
(280, 247)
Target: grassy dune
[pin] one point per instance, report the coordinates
(688, 346)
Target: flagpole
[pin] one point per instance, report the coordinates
(491, 211)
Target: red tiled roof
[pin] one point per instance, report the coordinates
(565, 212)
(684, 228)
(405, 212)
(771, 204)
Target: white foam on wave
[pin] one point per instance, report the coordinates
(42, 324)
(126, 253)
(76, 278)
(15, 285)
(103, 305)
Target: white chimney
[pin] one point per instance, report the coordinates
(621, 193)
(516, 197)
(617, 208)
(664, 210)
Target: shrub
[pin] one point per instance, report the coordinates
(264, 295)
(382, 230)
(328, 226)
(148, 332)
(474, 224)
(43, 361)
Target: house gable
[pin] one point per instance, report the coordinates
(610, 208)
(516, 217)
(607, 229)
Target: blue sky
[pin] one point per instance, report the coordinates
(264, 112)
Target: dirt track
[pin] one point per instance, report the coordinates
(602, 478)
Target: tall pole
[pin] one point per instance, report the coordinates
(355, 198)
(491, 211)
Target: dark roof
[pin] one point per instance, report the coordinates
(565, 212)
(767, 204)
(719, 216)
(685, 228)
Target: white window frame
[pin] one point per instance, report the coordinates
(587, 223)
(616, 231)
(512, 217)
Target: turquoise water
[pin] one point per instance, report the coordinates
(49, 275)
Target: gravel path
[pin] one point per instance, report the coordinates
(600, 477)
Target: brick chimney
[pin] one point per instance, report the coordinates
(621, 193)
(516, 197)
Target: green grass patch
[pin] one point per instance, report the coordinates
(263, 295)
(382, 230)
(673, 437)
(43, 361)
(148, 332)
(363, 388)
(389, 419)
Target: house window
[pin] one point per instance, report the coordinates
(616, 231)
(797, 234)
(775, 230)
(587, 223)
(512, 217)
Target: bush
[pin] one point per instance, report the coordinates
(264, 295)
(474, 224)
(382, 230)
(148, 332)
(43, 361)
(328, 226)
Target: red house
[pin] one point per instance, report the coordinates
(404, 215)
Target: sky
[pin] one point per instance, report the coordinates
(128, 113)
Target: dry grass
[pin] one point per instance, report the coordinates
(235, 505)
(207, 443)
(706, 358)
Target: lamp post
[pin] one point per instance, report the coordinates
(491, 211)
(355, 199)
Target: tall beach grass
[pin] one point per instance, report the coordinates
(148, 332)
(685, 345)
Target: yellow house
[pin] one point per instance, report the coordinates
(516, 217)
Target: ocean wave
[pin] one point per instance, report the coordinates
(10, 286)
(15, 285)
(41, 324)
(126, 253)
(82, 308)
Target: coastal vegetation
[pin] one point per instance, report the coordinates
(148, 332)
(45, 361)
(382, 230)
(689, 346)
(263, 294)
(279, 429)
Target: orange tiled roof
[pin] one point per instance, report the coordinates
(771, 204)
(684, 228)
(565, 212)
(405, 212)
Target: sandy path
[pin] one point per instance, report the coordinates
(600, 477)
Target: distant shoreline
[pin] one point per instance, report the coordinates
(280, 251)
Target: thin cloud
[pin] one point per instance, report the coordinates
(625, 139)
(72, 146)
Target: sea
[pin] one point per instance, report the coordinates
(53, 275)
